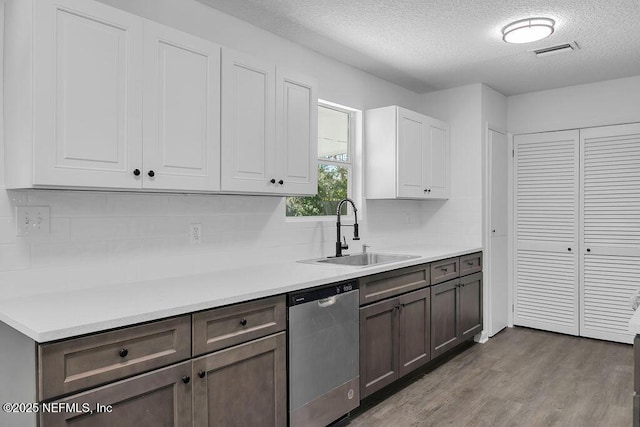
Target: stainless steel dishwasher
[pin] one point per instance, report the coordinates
(323, 354)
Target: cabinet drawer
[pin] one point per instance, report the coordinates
(444, 270)
(470, 263)
(80, 363)
(227, 326)
(384, 285)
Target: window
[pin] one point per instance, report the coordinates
(335, 164)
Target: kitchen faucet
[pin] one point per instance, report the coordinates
(339, 245)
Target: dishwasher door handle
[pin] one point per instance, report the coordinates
(327, 302)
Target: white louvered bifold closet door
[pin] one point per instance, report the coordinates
(610, 248)
(546, 227)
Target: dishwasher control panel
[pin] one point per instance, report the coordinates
(312, 294)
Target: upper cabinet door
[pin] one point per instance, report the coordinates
(248, 120)
(411, 128)
(296, 133)
(181, 111)
(436, 159)
(88, 95)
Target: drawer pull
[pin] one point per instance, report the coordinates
(243, 322)
(186, 379)
(201, 374)
(123, 352)
(445, 269)
(470, 263)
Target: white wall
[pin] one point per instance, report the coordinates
(458, 219)
(99, 238)
(594, 104)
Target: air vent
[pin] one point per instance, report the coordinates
(554, 50)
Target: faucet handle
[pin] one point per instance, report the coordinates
(344, 245)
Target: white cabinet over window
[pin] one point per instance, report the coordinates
(100, 98)
(269, 128)
(407, 155)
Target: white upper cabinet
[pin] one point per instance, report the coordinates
(96, 97)
(296, 133)
(100, 98)
(269, 128)
(181, 125)
(407, 155)
(73, 94)
(248, 124)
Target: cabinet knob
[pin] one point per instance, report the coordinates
(243, 322)
(588, 249)
(569, 249)
(186, 379)
(151, 174)
(136, 172)
(201, 374)
(123, 352)
(281, 182)
(273, 180)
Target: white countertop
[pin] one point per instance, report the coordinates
(64, 314)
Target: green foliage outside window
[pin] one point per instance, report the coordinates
(332, 187)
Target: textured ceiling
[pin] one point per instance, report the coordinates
(427, 45)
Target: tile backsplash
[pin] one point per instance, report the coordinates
(98, 238)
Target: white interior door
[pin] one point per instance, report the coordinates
(181, 110)
(610, 249)
(498, 209)
(546, 168)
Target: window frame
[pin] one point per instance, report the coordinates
(350, 165)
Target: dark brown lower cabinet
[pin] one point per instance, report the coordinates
(394, 339)
(160, 398)
(415, 331)
(444, 317)
(470, 305)
(245, 385)
(456, 309)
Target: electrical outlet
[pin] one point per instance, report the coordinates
(32, 221)
(195, 234)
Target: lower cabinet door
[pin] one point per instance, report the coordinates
(379, 325)
(415, 333)
(160, 398)
(470, 305)
(444, 317)
(245, 385)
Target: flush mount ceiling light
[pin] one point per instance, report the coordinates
(528, 30)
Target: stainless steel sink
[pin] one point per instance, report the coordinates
(361, 259)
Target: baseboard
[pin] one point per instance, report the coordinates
(482, 337)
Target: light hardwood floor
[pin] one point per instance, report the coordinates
(521, 377)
